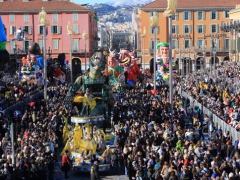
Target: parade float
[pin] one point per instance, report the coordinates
(91, 98)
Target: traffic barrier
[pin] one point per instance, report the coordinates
(235, 134)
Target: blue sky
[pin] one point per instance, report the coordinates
(90, 1)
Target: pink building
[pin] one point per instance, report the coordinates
(24, 14)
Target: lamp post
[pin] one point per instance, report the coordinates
(154, 25)
(180, 61)
(214, 56)
(143, 38)
(44, 22)
(70, 32)
(85, 37)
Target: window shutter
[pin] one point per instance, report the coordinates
(176, 44)
(190, 43)
(183, 13)
(224, 14)
(204, 15)
(157, 30)
(29, 29)
(190, 29)
(211, 15)
(183, 43)
(190, 15)
(183, 29)
(197, 18)
(217, 28)
(176, 28)
(197, 28)
(10, 30)
(217, 15)
(51, 29)
(203, 28)
(150, 14)
(210, 28)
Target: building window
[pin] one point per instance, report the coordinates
(175, 29)
(55, 43)
(152, 45)
(186, 43)
(75, 45)
(75, 29)
(200, 43)
(56, 29)
(152, 31)
(11, 18)
(175, 17)
(27, 29)
(12, 30)
(200, 29)
(214, 28)
(55, 17)
(26, 18)
(226, 45)
(40, 42)
(175, 44)
(225, 14)
(40, 29)
(12, 46)
(25, 45)
(214, 43)
(151, 14)
(200, 15)
(186, 15)
(213, 15)
(75, 17)
(186, 29)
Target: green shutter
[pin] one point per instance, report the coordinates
(190, 29)
(204, 15)
(217, 15)
(197, 18)
(211, 15)
(190, 15)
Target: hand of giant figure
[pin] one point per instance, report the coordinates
(171, 9)
(4, 55)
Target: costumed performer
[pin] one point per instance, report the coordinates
(4, 55)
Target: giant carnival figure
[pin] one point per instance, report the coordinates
(93, 81)
(131, 68)
(4, 55)
(32, 65)
(114, 70)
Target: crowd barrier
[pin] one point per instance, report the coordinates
(20, 106)
(212, 116)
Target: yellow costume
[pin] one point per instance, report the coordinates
(77, 137)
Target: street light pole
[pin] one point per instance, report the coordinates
(44, 22)
(170, 67)
(85, 37)
(154, 54)
(143, 38)
(70, 32)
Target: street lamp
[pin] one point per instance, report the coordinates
(85, 37)
(143, 37)
(214, 55)
(154, 25)
(44, 22)
(70, 32)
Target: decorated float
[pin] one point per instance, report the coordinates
(91, 98)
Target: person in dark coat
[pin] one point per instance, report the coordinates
(94, 173)
(66, 163)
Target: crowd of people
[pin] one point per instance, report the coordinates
(148, 144)
(38, 135)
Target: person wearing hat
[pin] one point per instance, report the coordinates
(94, 172)
(66, 164)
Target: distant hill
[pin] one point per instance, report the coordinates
(123, 3)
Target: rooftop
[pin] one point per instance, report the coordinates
(193, 4)
(35, 6)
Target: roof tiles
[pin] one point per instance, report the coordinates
(8, 6)
(193, 3)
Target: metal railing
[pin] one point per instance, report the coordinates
(212, 116)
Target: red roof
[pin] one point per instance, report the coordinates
(9, 6)
(193, 4)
